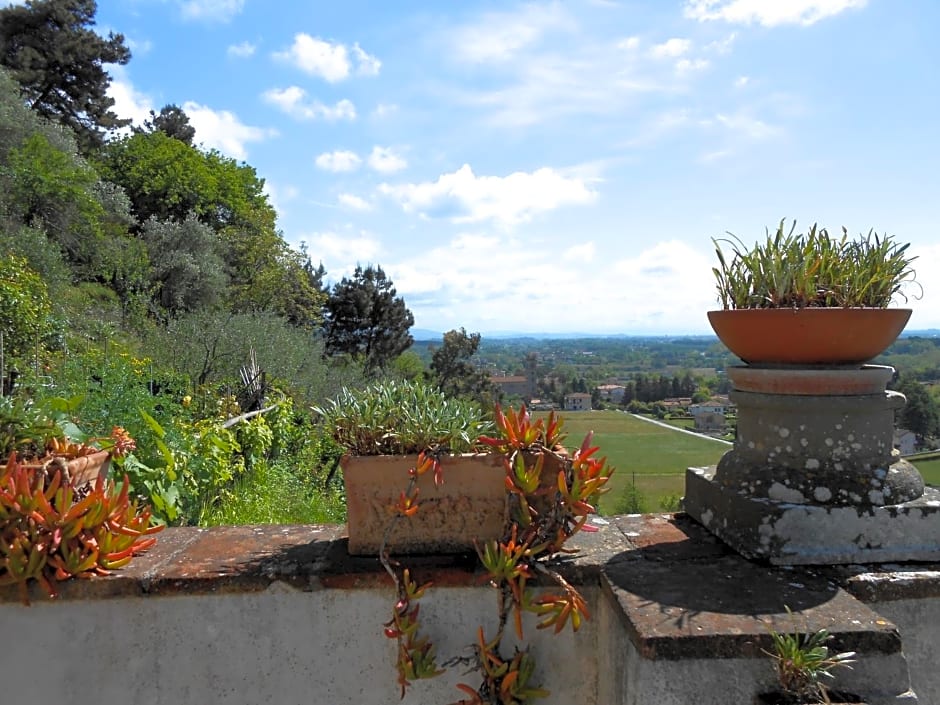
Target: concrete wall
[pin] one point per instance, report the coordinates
(282, 646)
(918, 621)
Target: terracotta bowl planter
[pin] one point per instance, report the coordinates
(470, 505)
(808, 336)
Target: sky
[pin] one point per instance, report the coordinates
(559, 166)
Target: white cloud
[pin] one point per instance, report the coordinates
(747, 126)
(339, 161)
(355, 202)
(222, 130)
(769, 13)
(500, 36)
(329, 60)
(581, 254)
(386, 161)
(463, 197)
(128, 101)
(384, 110)
(722, 46)
(218, 10)
(293, 101)
(472, 287)
(368, 65)
(629, 44)
(671, 48)
(278, 196)
(690, 65)
(741, 81)
(138, 47)
(342, 251)
(242, 50)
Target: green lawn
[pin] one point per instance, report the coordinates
(652, 456)
(930, 470)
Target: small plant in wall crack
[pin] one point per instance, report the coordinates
(802, 661)
(549, 497)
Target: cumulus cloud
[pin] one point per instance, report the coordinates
(367, 65)
(331, 61)
(666, 287)
(769, 13)
(354, 202)
(339, 161)
(386, 161)
(128, 101)
(211, 10)
(464, 197)
(629, 44)
(241, 51)
(222, 130)
(691, 65)
(294, 101)
(342, 251)
(671, 48)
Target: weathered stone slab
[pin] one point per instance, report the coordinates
(785, 533)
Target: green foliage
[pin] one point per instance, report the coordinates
(209, 347)
(282, 492)
(671, 502)
(454, 372)
(187, 269)
(631, 501)
(812, 269)
(24, 307)
(367, 320)
(52, 52)
(173, 122)
(24, 427)
(168, 180)
(921, 413)
(57, 190)
(802, 660)
(401, 417)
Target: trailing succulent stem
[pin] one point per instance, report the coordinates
(550, 495)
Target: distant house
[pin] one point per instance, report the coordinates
(513, 386)
(905, 441)
(710, 415)
(677, 402)
(522, 386)
(578, 401)
(611, 392)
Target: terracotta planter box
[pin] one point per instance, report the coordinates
(470, 505)
(82, 470)
(808, 336)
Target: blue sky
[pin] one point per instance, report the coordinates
(557, 166)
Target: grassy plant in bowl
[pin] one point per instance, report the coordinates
(812, 270)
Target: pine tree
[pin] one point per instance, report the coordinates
(366, 320)
(50, 50)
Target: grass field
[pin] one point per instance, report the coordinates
(652, 456)
(930, 470)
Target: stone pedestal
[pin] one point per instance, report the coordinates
(813, 477)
